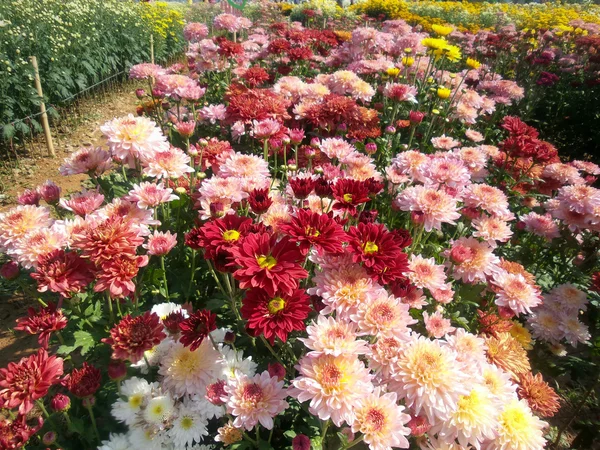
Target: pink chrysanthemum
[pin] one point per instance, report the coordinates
(159, 244)
(445, 142)
(492, 229)
(477, 260)
(489, 198)
(145, 70)
(445, 171)
(256, 399)
(432, 206)
(91, 160)
(171, 163)
(436, 325)
(425, 273)
(333, 336)
(243, 166)
(17, 222)
(383, 315)
(83, 203)
(150, 195)
(63, 273)
(116, 275)
(333, 384)
(42, 323)
(541, 224)
(515, 292)
(38, 243)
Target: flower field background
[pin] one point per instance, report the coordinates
(328, 232)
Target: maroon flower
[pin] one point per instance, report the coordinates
(349, 193)
(323, 188)
(10, 270)
(15, 433)
(42, 322)
(255, 76)
(300, 54)
(28, 380)
(275, 315)
(302, 186)
(117, 370)
(172, 321)
(268, 264)
(83, 382)
(195, 328)
(63, 273)
(132, 336)
(229, 49)
(60, 402)
(301, 441)
(310, 228)
(222, 234)
(259, 200)
(278, 46)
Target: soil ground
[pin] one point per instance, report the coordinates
(32, 170)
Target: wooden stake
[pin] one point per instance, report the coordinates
(45, 124)
(152, 48)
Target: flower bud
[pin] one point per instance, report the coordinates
(390, 129)
(50, 192)
(301, 442)
(371, 148)
(416, 117)
(276, 370)
(117, 370)
(229, 337)
(9, 270)
(140, 93)
(49, 438)
(60, 402)
(315, 142)
(157, 93)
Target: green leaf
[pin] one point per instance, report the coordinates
(65, 349)
(84, 340)
(76, 425)
(264, 445)
(291, 434)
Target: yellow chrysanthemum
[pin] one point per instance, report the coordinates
(434, 43)
(522, 335)
(443, 93)
(408, 61)
(393, 71)
(518, 428)
(473, 63)
(506, 352)
(442, 30)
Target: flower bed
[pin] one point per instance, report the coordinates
(306, 237)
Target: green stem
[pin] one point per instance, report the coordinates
(273, 352)
(353, 443)
(162, 266)
(110, 308)
(266, 150)
(93, 419)
(193, 274)
(324, 431)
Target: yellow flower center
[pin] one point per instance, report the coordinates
(276, 305)
(310, 231)
(231, 235)
(348, 198)
(266, 261)
(370, 247)
(187, 423)
(135, 401)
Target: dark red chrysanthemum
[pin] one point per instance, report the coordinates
(255, 76)
(538, 394)
(132, 336)
(268, 264)
(259, 200)
(275, 315)
(278, 46)
(83, 382)
(116, 275)
(310, 228)
(323, 188)
(63, 273)
(256, 104)
(42, 322)
(222, 234)
(595, 286)
(349, 193)
(229, 49)
(28, 380)
(195, 328)
(172, 321)
(15, 433)
(302, 186)
(300, 54)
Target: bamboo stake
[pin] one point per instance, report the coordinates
(45, 124)
(152, 48)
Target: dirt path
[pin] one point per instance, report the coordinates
(32, 171)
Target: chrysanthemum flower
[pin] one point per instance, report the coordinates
(16, 433)
(243, 166)
(145, 70)
(336, 148)
(381, 420)
(255, 400)
(518, 428)
(17, 222)
(499, 383)
(36, 244)
(42, 323)
(383, 354)
(195, 31)
(136, 392)
(429, 378)
(505, 352)
(90, 160)
(168, 163)
(515, 292)
(436, 325)
(28, 380)
(349, 193)
(159, 410)
(477, 263)
(268, 263)
(190, 372)
(469, 348)
(433, 206)
(188, 427)
(275, 315)
(488, 198)
(228, 434)
(159, 244)
(132, 336)
(425, 273)
(446, 171)
(116, 275)
(445, 142)
(313, 229)
(492, 229)
(383, 315)
(150, 195)
(333, 336)
(333, 384)
(400, 92)
(195, 328)
(538, 394)
(63, 273)
(83, 203)
(83, 382)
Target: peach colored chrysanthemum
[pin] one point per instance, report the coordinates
(489, 198)
(384, 354)
(445, 171)
(425, 273)
(408, 163)
(382, 315)
(432, 206)
(436, 325)
(515, 292)
(150, 195)
(381, 421)
(505, 352)
(170, 163)
(243, 166)
(538, 394)
(477, 260)
(469, 348)
(254, 400)
(334, 336)
(18, 221)
(91, 160)
(37, 243)
(444, 142)
(492, 229)
(333, 384)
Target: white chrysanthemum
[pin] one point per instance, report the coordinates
(334, 337)
(189, 372)
(147, 439)
(116, 442)
(236, 364)
(429, 378)
(473, 421)
(470, 349)
(136, 391)
(154, 355)
(159, 409)
(188, 426)
(218, 335)
(441, 444)
(499, 383)
(518, 429)
(162, 310)
(206, 409)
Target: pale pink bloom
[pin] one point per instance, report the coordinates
(171, 163)
(150, 195)
(213, 113)
(465, 113)
(473, 135)
(238, 129)
(159, 244)
(276, 215)
(541, 225)
(489, 198)
(243, 166)
(443, 295)
(195, 31)
(444, 142)
(336, 148)
(333, 384)
(266, 128)
(492, 229)
(18, 221)
(477, 260)
(333, 336)
(138, 218)
(190, 91)
(218, 195)
(360, 90)
(400, 92)
(545, 323)
(436, 325)
(475, 159)
(290, 87)
(145, 70)
(409, 163)
(360, 167)
(432, 206)
(574, 330)
(254, 400)
(445, 170)
(562, 173)
(515, 292)
(425, 273)
(382, 315)
(567, 298)
(90, 160)
(469, 348)
(83, 203)
(174, 83)
(383, 355)
(415, 299)
(471, 98)
(586, 166)
(488, 106)
(581, 199)
(227, 22)
(381, 421)
(36, 243)
(131, 138)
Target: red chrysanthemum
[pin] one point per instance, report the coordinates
(229, 49)
(275, 315)
(278, 46)
(302, 186)
(132, 336)
(15, 433)
(259, 200)
(268, 264)
(63, 273)
(42, 322)
(310, 228)
(540, 397)
(492, 324)
(195, 328)
(172, 321)
(24, 382)
(116, 275)
(83, 382)
(255, 76)
(349, 193)
(256, 104)
(222, 234)
(300, 54)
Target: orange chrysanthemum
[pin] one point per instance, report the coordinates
(507, 353)
(538, 394)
